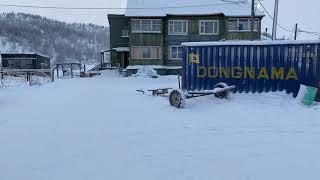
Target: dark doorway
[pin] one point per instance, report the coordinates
(124, 59)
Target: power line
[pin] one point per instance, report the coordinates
(308, 32)
(273, 18)
(292, 31)
(119, 8)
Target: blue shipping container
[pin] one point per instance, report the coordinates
(253, 66)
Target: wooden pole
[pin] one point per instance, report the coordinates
(62, 67)
(275, 20)
(296, 31)
(57, 66)
(179, 81)
(52, 75)
(71, 71)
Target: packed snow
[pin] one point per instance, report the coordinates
(146, 72)
(102, 128)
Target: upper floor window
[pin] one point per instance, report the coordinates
(146, 25)
(209, 27)
(178, 27)
(242, 24)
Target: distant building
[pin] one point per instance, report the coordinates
(25, 61)
(153, 35)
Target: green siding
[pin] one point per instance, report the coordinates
(151, 39)
(146, 39)
(146, 62)
(193, 34)
(118, 23)
(242, 36)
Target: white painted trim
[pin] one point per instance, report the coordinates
(200, 21)
(146, 32)
(238, 19)
(122, 49)
(161, 24)
(177, 20)
(170, 57)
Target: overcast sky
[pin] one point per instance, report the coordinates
(304, 12)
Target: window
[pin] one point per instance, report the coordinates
(255, 25)
(156, 25)
(209, 27)
(135, 25)
(233, 25)
(125, 33)
(26, 64)
(146, 25)
(242, 24)
(178, 27)
(146, 52)
(176, 52)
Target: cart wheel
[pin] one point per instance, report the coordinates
(222, 95)
(177, 98)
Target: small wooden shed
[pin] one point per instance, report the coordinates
(25, 61)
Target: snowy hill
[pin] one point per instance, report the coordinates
(59, 40)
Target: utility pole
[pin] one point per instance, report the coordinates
(252, 19)
(296, 31)
(275, 20)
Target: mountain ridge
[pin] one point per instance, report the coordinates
(63, 42)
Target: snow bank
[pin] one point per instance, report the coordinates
(146, 72)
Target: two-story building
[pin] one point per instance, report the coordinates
(151, 31)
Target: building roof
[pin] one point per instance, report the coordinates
(162, 8)
(4, 55)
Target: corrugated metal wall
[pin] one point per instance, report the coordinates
(252, 68)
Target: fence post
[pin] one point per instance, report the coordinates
(57, 67)
(52, 75)
(318, 71)
(71, 71)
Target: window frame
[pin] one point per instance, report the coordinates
(125, 33)
(209, 20)
(170, 52)
(151, 25)
(141, 58)
(177, 33)
(249, 24)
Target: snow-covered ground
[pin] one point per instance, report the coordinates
(102, 129)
